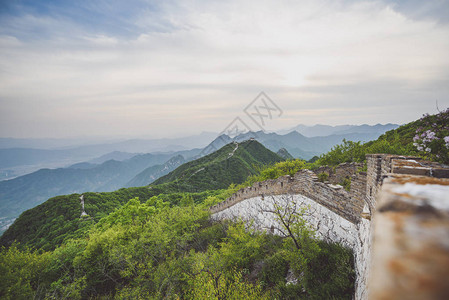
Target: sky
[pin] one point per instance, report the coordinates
(173, 68)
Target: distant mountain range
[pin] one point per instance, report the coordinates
(284, 154)
(24, 192)
(23, 156)
(298, 145)
(325, 130)
(152, 173)
(108, 145)
(115, 155)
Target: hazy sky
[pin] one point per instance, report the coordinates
(165, 68)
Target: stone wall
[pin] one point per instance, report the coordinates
(349, 205)
(362, 252)
(380, 165)
(373, 179)
(327, 224)
(411, 238)
(407, 226)
(381, 168)
(358, 187)
(339, 173)
(334, 212)
(409, 205)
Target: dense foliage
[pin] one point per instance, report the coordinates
(349, 151)
(397, 141)
(57, 220)
(152, 250)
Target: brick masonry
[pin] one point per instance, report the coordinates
(349, 205)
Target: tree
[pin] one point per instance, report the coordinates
(289, 215)
(21, 272)
(214, 277)
(323, 269)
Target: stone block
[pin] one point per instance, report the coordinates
(440, 173)
(411, 240)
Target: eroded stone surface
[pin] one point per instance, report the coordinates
(411, 232)
(328, 225)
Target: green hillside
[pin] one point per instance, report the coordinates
(57, 219)
(25, 192)
(232, 163)
(150, 174)
(428, 132)
(168, 248)
(47, 225)
(53, 222)
(153, 251)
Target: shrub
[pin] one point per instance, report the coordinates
(322, 177)
(432, 137)
(274, 269)
(330, 273)
(346, 183)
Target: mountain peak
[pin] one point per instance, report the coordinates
(284, 154)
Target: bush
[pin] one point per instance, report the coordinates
(432, 137)
(348, 151)
(330, 273)
(346, 183)
(274, 269)
(153, 250)
(322, 177)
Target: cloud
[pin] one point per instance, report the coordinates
(153, 68)
(436, 10)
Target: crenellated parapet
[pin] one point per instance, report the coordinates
(348, 204)
(381, 166)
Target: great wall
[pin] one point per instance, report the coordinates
(395, 217)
